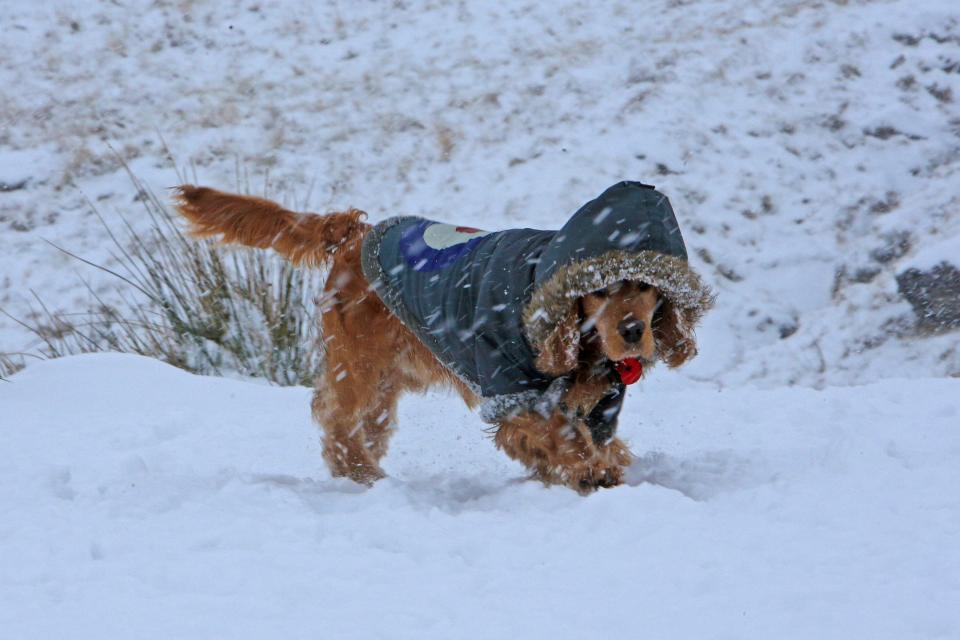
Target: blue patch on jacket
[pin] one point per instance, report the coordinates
(432, 246)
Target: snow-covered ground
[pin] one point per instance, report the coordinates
(142, 501)
(797, 480)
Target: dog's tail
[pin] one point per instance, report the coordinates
(302, 238)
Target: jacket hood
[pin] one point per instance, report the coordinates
(629, 232)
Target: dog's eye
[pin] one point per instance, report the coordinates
(643, 286)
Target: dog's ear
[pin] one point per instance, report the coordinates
(559, 352)
(674, 335)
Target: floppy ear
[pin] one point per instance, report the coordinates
(560, 350)
(673, 334)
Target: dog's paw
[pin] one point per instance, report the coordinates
(367, 475)
(604, 469)
(361, 474)
(587, 478)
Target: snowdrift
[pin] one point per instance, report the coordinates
(141, 501)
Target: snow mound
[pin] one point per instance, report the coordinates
(139, 500)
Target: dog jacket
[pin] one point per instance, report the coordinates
(484, 302)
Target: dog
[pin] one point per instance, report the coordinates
(535, 326)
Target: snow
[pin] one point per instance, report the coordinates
(794, 481)
(936, 253)
(144, 501)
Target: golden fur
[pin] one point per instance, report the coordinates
(372, 358)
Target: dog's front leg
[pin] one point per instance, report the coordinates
(560, 449)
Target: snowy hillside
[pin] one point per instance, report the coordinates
(810, 148)
(142, 501)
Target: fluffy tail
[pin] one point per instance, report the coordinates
(302, 238)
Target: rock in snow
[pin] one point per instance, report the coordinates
(934, 295)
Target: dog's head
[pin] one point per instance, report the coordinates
(620, 319)
(625, 320)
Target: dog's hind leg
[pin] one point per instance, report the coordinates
(337, 408)
(358, 418)
(354, 401)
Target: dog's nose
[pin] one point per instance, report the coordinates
(631, 330)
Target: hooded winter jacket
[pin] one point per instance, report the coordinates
(485, 302)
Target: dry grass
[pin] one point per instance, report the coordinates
(189, 303)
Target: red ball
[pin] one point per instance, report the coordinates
(630, 370)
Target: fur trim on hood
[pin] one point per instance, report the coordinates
(669, 274)
(628, 233)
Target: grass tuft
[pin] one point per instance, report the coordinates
(190, 303)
